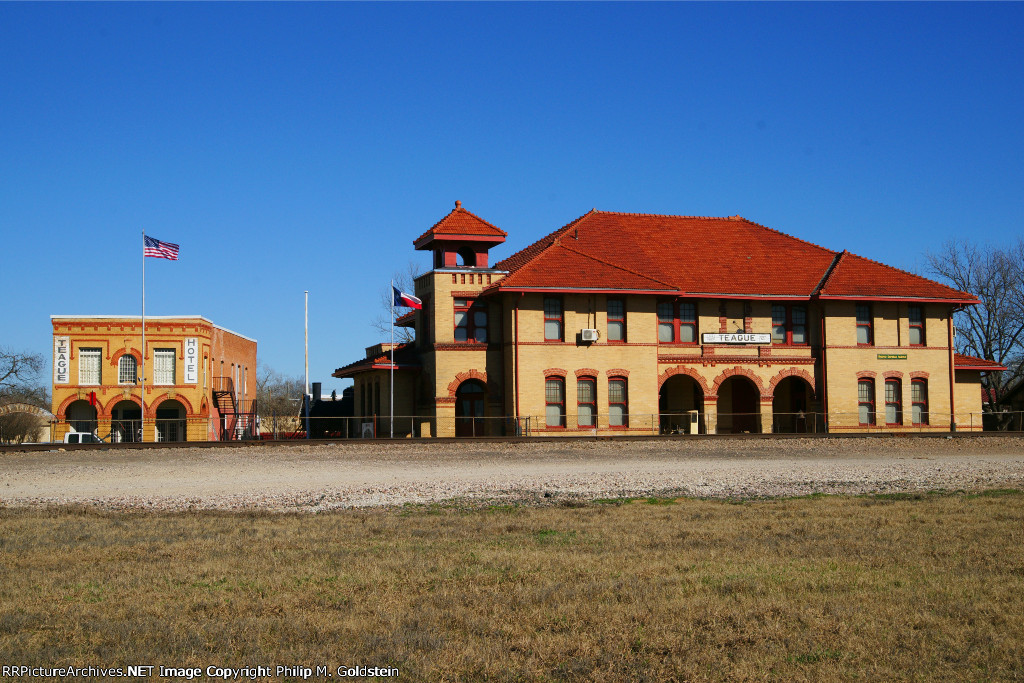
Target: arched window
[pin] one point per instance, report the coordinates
(127, 369)
(586, 402)
(919, 401)
(554, 401)
(893, 402)
(866, 401)
(618, 402)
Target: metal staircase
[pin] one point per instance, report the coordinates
(237, 417)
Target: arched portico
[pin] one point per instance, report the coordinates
(170, 421)
(81, 416)
(125, 422)
(791, 401)
(681, 406)
(739, 405)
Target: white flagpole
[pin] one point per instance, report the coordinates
(305, 396)
(392, 396)
(142, 384)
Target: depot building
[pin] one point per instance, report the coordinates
(620, 323)
(200, 381)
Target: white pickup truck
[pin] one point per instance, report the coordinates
(83, 437)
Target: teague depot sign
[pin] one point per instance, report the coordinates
(736, 338)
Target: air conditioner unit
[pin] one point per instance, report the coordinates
(588, 335)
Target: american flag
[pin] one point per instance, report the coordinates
(157, 249)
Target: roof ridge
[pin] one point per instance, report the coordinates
(670, 215)
(459, 209)
(830, 272)
(736, 218)
(553, 235)
(618, 267)
(786, 234)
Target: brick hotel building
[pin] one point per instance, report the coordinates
(200, 383)
(636, 323)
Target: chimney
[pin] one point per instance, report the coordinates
(316, 392)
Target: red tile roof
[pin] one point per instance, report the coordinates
(962, 362)
(857, 277)
(697, 255)
(461, 222)
(406, 319)
(405, 359)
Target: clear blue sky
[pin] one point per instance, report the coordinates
(289, 147)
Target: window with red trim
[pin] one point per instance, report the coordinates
(554, 401)
(789, 324)
(866, 401)
(916, 314)
(586, 402)
(470, 321)
(864, 324)
(616, 320)
(893, 402)
(919, 401)
(677, 322)
(552, 318)
(618, 402)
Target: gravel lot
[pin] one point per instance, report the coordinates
(312, 478)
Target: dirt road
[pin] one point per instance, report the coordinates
(354, 474)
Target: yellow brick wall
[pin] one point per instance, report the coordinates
(648, 362)
(845, 359)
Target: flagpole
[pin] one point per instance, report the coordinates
(392, 392)
(142, 385)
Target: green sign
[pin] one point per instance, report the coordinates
(892, 356)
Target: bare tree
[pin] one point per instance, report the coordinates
(277, 394)
(405, 280)
(18, 369)
(19, 383)
(994, 329)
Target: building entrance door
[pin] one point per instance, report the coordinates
(469, 408)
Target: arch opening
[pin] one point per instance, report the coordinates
(170, 421)
(739, 406)
(126, 422)
(470, 401)
(465, 256)
(791, 402)
(681, 406)
(82, 416)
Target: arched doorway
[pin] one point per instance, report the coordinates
(681, 406)
(126, 422)
(739, 406)
(81, 416)
(789, 406)
(170, 421)
(469, 408)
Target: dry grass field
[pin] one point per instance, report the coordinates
(911, 587)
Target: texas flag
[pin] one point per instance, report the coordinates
(406, 300)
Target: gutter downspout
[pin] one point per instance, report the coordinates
(515, 344)
(824, 368)
(952, 374)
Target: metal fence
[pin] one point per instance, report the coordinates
(674, 424)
